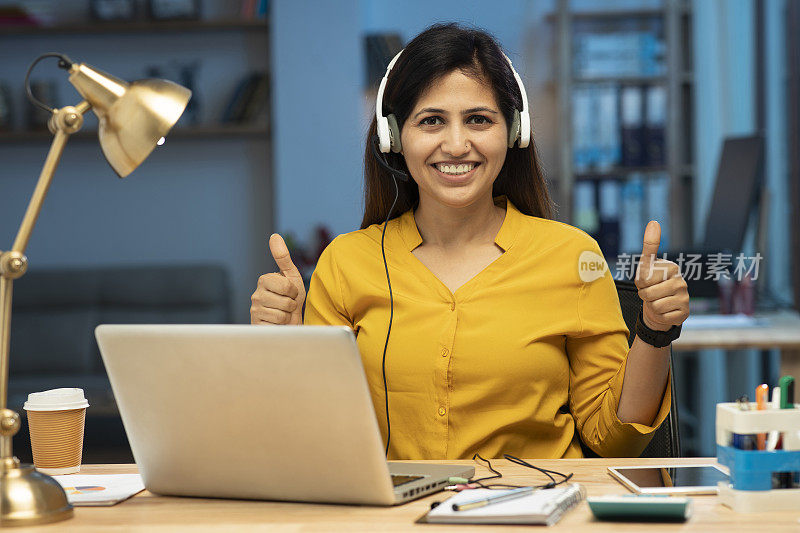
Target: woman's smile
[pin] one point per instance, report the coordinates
(455, 173)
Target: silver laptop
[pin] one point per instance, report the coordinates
(260, 412)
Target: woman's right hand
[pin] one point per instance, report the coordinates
(280, 295)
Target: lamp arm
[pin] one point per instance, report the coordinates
(13, 263)
(63, 123)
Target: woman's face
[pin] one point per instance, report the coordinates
(455, 140)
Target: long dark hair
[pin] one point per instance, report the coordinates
(437, 51)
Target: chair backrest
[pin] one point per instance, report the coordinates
(665, 441)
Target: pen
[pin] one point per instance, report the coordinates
(786, 384)
(773, 437)
(761, 401)
(787, 392)
(516, 493)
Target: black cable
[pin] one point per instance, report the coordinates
(545, 471)
(391, 313)
(63, 62)
(553, 483)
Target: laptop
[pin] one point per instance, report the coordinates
(256, 412)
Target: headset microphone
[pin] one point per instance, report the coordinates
(382, 162)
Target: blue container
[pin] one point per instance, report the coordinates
(753, 469)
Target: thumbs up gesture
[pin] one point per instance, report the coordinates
(279, 296)
(661, 287)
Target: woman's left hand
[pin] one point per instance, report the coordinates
(661, 286)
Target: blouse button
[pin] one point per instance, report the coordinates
(452, 306)
(444, 352)
(442, 411)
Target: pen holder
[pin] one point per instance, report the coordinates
(754, 473)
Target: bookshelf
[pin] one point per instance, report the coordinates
(624, 80)
(255, 32)
(221, 132)
(139, 26)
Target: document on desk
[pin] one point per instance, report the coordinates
(723, 321)
(100, 490)
(543, 506)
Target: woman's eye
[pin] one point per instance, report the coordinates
(480, 119)
(428, 121)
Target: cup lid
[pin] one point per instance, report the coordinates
(56, 400)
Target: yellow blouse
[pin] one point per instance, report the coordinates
(522, 358)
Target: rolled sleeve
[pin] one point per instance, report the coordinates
(598, 354)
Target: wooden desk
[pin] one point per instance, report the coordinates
(147, 512)
(782, 332)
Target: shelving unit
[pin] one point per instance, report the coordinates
(222, 131)
(223, 168)
(140, 26)
(674, 18)
(257, 27)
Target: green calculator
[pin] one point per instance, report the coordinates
(634, 507)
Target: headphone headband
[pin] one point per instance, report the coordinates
(389, 134)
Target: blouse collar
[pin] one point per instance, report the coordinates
(504, 239)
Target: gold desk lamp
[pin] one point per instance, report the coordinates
(133, 119)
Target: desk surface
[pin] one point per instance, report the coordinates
(783, 331)
(148, 512)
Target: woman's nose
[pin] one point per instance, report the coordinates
(455, 142)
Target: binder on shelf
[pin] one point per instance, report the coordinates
(655, 124)
(631, 126)
(632, 221)
(585, 206)
(607, 117)
(609, 209)
(581, 130)
(657, 200)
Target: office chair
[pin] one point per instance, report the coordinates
(665, 441)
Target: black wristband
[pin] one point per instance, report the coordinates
(653, 337)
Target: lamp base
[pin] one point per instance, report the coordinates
(28, 497)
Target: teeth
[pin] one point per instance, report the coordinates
(455, 169)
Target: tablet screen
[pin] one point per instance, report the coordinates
(685, 476)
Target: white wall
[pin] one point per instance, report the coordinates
(317, 70)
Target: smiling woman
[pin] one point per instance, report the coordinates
(476, 330)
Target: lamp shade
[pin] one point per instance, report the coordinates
(133, 117)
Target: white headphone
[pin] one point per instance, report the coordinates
(389, 132)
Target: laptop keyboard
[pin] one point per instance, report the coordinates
(398, 480)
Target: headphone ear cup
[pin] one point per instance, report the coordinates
(513, 131)
(394, 133)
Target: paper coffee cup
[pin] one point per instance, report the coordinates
(56, 420)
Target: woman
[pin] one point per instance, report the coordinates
(497, 344)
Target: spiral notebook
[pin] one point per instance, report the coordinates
(544, 506)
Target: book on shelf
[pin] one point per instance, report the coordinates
(254, 9)
(250, 99)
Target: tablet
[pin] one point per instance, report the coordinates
(684, 479)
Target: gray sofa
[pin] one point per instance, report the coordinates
(52, 330)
